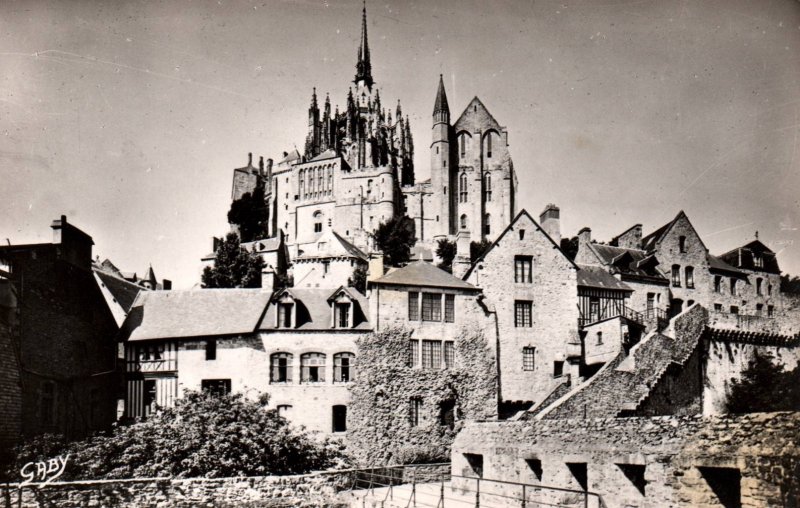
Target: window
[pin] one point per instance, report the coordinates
(326, 267)
(717, 307)
(759, 309)
(523, 314)
(462, 188)
(47, 403)
(463, 140)
(489, 146)
(317, 221)
(449, 355)
(535, 466)
(528, 358)
(717, 284)
(734, 309)
(676, 276)
(689, 277)
(449, 308)
(758, 261)
(339, 417)
(769, 289)
(558, 368)
(312, 368)
(431, 306)
(522, 269)
(463, 222)
(344, 367)
(284, 410)
(302, 184)
(342, 315)
(682, 243)
(211, 349)
(431, 354)
(759, 282)
(415, 406)
(447, 413)
(281, 368)
(413, 353)
(487, 224)
(599, 338)
(487, 187)
(594, 309)
(651, 304)
(770, 310)
(733, 286)
(149, 396)
(475, 462)
(285, 315)
(635, 473)
(413, 306)
(216, 386)
(521, 234)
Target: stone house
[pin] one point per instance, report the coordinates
(295, 346)
(531, 287)
(327, 263)
(59, 374)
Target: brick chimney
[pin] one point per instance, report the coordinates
(76, 246)
(551, 223)
(585, 236)
(461, 261)
(268, 279)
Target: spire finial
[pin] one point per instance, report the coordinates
(364, 67)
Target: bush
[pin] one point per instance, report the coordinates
(765, 387)
(204, 435)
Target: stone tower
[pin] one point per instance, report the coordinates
(440, 163)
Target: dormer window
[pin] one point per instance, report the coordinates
(343, 315)
(285, 315)
(758, 261)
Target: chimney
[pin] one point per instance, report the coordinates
(585, 236)
(166, 284)
(249, 159)
(261, 166)
(550, 222)
(375, 269)
(217, 241)
(461, 262)
(268, 279)
(76, 246)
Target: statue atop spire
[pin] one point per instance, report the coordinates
(364, 67)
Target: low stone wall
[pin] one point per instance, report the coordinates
(660, 461)
(316, 489)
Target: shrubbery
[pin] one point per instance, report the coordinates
(204, 435)
(765, 387)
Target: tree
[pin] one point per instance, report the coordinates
(250, 214)
(395, 238)
(234, 267)
(478, 249)
(570, 247)
(359, 278)
(204, 435)
(446, 251)
(790, 284)
(765, 387)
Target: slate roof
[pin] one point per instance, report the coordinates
(335, 246)
(194, 313)
(597, 277)
(743, 257)
(441, 98)
(327, 154)
(637, 267)
(314, 310)
(715, 263)
(290, 157)
(421, 273)
(123, 291)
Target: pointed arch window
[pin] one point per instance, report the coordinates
(487, 187)
(463, 223)
(463, 144)
(321, 181)
(463, 193)
(489, 146)
(302, 184)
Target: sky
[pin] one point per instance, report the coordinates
(129, 117)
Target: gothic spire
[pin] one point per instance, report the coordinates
(441, 99)
(364, 67)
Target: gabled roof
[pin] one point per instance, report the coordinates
(650, 241)
(194, 313)
(508, 228)
(641, 263)
(597, 277)
(123, 291)
(476, 117)
(614, 241)
(353, 293)
(717, 264)
(327, 154)
(423, 274)
(744, 257)
(314, 310)
(334, 245)
(290, 157)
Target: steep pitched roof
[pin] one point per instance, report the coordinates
(650, 241)
(717, 264)
(640, 264)
(327, 154)
(333, 245)
(194, 313)
(123, 291)
(597, 277)
(476, 117)
(744, 257)
(508, 228)
(441, 98)
(421, 273)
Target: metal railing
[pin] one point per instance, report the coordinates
(610, 313)
(445, 488)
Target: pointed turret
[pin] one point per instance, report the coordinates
(399, 111)
(440, 107)
(364, 67)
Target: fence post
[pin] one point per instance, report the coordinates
(442, 492)
(524, 497)
(477, 492)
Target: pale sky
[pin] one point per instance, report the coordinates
(129, 117)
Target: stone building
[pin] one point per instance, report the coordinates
(531, 288)
(295, 346)
(57, 334)
(356, 170)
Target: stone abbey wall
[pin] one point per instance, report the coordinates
(657, 461)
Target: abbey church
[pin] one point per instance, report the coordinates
(357, 171)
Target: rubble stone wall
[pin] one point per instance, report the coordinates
(679, 456)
